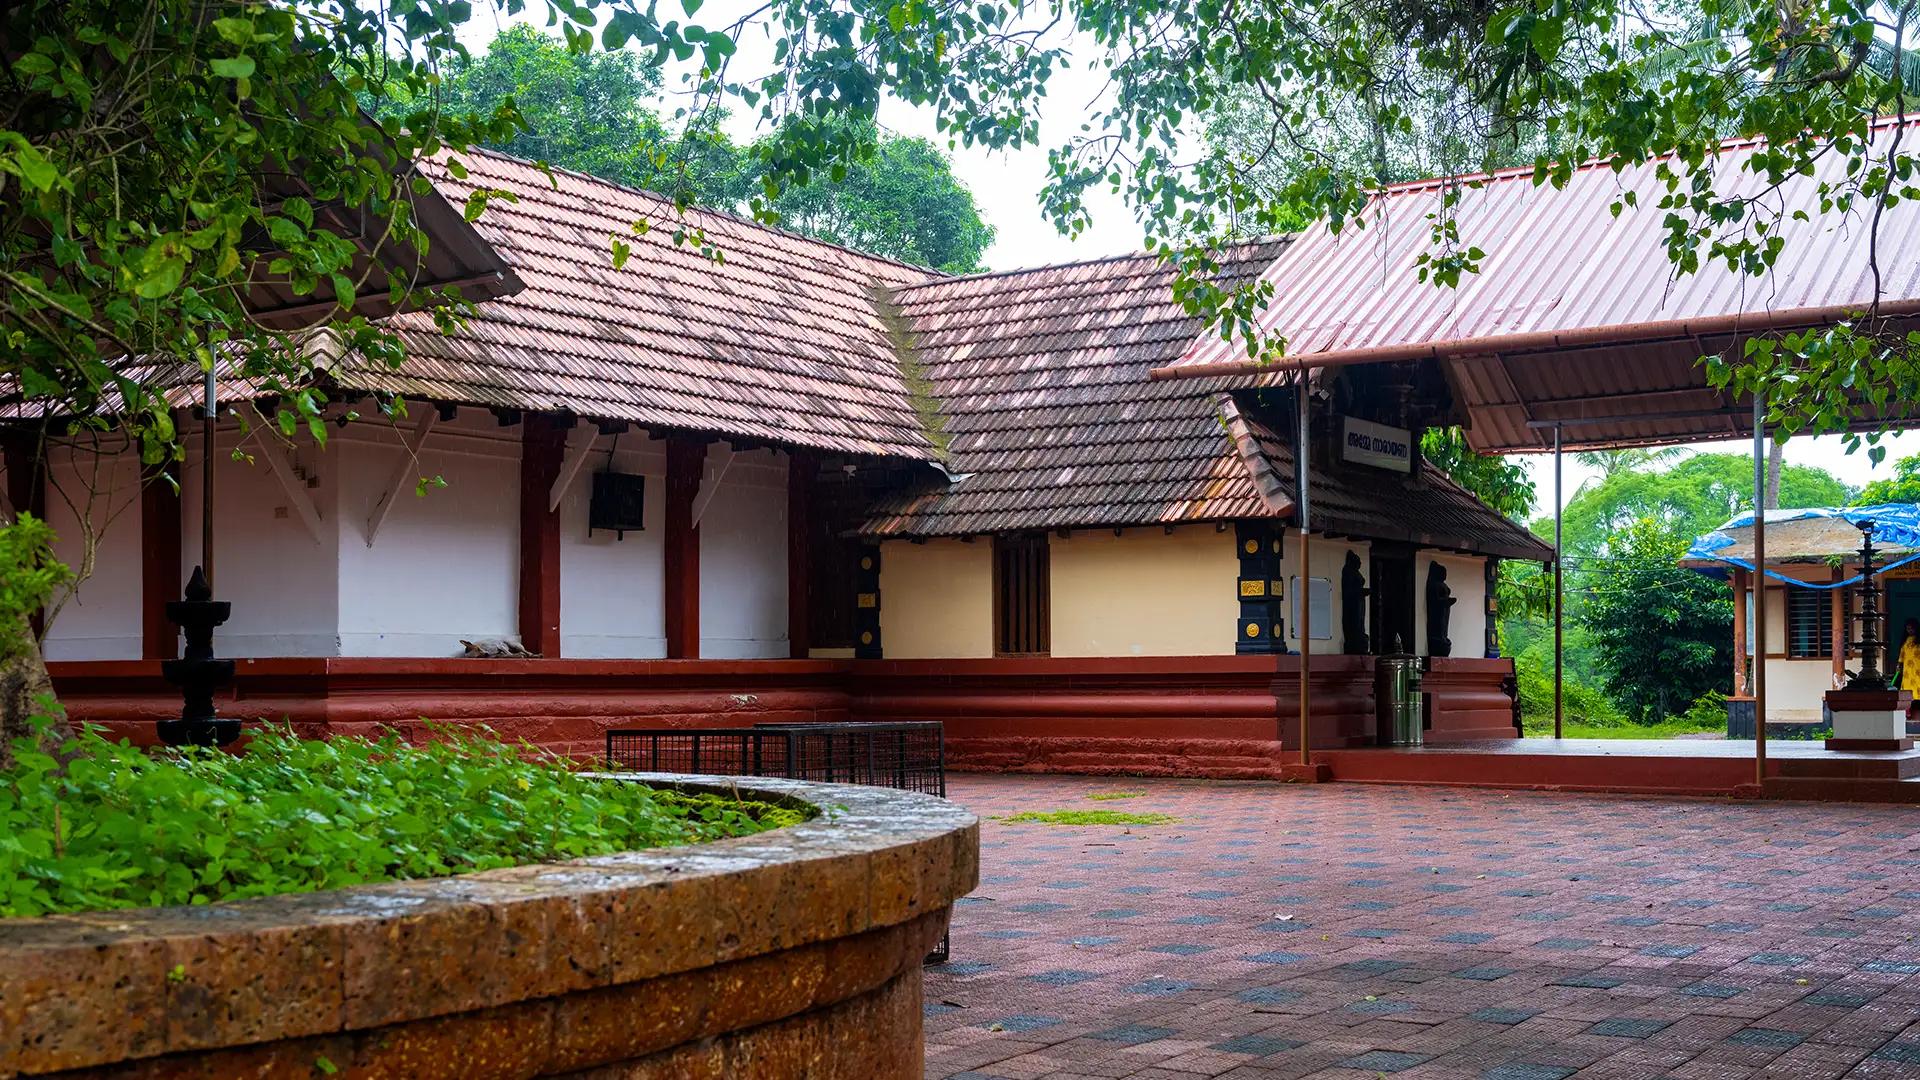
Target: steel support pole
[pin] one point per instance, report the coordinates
(1759, 628)
(1559, 596)
(212, 404)
(1304, 591)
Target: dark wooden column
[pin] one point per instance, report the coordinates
(159, 562)
(686, 455)
(543, 441)
(801, 467)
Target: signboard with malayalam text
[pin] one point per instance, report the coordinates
(1367, 443)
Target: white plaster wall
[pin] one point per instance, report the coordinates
(743, 557)
(611, 598)
(444, 566)
(100, 618)
(1467, 623)
(282, 582)
(1145, 592)
(1327, 558)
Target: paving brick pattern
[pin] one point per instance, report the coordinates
(1353, 931)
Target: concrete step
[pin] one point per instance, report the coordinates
(1839, 789)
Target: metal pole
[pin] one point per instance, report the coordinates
(1559, 596)
(212, 404)
(1759, 631)
(1305, 588)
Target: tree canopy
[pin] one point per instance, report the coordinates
(1662, 635)
(1690, 498)
(596, 112)
(1902, 487)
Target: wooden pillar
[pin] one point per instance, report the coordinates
(686, 456)
(543, 442)
(801, 466)
(159, 562)
(1739, 632)
(1839, 629)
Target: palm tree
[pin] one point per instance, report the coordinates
(1628, 459)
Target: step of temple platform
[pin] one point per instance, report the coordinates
(1707, 767)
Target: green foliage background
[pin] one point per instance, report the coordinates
(595, 112)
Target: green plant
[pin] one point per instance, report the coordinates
(108, 825)
(1086, 817)
(1110, 796)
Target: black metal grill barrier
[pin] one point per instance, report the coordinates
(910, 756)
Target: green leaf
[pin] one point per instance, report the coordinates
(161, 278)
(233, 67)
(235, 31)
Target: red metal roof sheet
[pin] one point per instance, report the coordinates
(1562, 270)
(778, 340)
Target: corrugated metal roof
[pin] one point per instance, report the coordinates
(777, 340)
(1558, 261)
(1576, 313)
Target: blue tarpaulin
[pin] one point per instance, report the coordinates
(1895, 525)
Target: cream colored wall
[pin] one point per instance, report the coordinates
(1145, 592)
(1326, 558)
(936, 599)
(1796, 688)
(1467, 622)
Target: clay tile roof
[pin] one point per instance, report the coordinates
(1432, 511)
(778, 340)
(1041, 379)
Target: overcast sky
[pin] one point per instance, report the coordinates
(1006, 187)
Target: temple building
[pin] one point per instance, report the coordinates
(1814, 564)
(794, 481)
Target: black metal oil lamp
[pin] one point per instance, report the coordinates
(1869, 677)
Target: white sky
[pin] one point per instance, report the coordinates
(1006, 186)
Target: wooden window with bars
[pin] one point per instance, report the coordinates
(1022, 612)
(1809, 623)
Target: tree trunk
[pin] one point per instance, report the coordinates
(23, 685)
(1776, 454)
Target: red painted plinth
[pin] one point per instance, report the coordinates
(1315, 773)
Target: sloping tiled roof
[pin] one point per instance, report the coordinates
(1042, 379)
(1375, 505)
(778, 340)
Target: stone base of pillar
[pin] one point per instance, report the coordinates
(1869, 719)
(1316, 773)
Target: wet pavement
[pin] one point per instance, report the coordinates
(1347, 930)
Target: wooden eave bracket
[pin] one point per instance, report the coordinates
(579, 445)
(711, 484)
(404, 469)
(275, 453)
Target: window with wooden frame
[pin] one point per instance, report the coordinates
(1809, 623)
(1022, 609)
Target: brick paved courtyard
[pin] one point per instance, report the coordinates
(1355, 931)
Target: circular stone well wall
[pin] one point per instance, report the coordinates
(795, 952)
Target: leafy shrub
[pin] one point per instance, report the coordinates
(108, 825)
(1581, 703)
